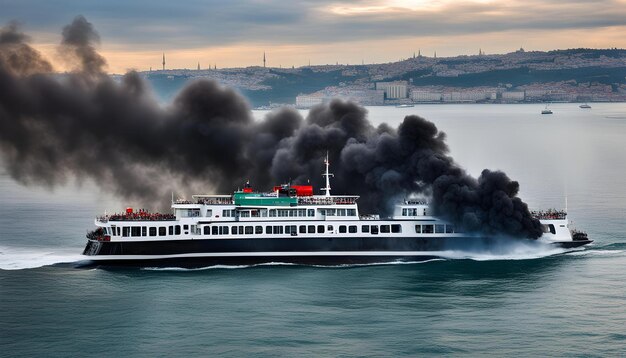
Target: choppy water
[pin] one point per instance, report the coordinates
(524, 300)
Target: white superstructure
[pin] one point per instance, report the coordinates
(289, 223)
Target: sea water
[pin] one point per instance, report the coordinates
(524, 300)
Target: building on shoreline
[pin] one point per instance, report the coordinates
(393, 90)
(425, 96)
(366, 97)
(310, 100)
(513, 96)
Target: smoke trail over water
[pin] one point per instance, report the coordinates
(84, 125)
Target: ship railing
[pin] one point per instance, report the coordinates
(327, 200)
(211, 199)
(551, 214)
(416, 202)
(137, 216)
(215, 201)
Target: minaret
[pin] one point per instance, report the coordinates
(435, 54)
(198, 66)
(327, 175)
(263, 59)
(419, 53)
(163, 61)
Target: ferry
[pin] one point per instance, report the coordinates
(287, 225)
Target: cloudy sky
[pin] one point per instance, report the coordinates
(293, 32)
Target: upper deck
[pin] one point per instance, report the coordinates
(550, 214)
(140, 215)
(256, 199)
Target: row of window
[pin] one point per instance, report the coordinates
(338, 212)
(413, 212)
(436, 229)
(139, 231)
(302, 229)
(192, 213)
(283, 213)
(384, 229)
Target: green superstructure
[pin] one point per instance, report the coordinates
(255, 199)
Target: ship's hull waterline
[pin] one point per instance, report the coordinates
(306, 251)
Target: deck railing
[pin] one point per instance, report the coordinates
(327, 200)
(550, 214)
(137, 216)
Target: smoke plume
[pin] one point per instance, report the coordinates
(85, 126)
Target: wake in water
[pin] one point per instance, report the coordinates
(19, 258)
(507, 251)
(598, 252)
(217, 267)
(15, 258)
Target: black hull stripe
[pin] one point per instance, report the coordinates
(321, 251)
(176, 247)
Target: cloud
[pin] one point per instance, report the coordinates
(157, 23)
(236, 33)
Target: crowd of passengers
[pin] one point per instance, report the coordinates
(140, 215)
(549, 214)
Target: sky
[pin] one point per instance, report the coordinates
(135, 34)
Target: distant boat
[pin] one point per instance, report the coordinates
(404, 106)
(585, 105)
(546, 110)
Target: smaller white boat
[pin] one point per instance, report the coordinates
(546, 110)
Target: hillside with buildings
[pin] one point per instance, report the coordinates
(523, 76)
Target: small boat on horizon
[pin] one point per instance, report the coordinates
(546, 110)
(405, 106)
(584, 105)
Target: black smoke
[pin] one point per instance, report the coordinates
(85, 126)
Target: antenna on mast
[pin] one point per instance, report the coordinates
(327, 175)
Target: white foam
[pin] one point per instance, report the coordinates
(19, 258)
(230, 267)
(379, 263)
(214, 267)
(506, 251)
(597, 253)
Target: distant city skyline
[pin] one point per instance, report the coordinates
(135, 35)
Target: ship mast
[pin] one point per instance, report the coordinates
(327, 175)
